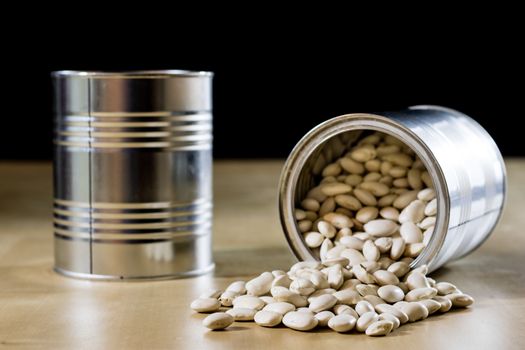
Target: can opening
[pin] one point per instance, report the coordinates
(326, 146)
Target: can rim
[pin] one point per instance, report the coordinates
(132, 74)
(349, 122)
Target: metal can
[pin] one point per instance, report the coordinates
(463, 161)
(133, 174)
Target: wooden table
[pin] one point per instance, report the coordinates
(40, 309)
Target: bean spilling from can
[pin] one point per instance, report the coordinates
(368, 298)
(371, 214)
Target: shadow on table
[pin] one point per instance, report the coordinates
(231, 263)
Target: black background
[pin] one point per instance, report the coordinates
(272, 85)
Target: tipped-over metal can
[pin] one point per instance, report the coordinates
(464, 163)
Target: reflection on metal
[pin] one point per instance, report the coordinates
(132, 174)
(464, 162)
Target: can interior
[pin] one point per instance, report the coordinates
(324, 154)
(327, 152)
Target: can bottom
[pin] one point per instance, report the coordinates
(95, 277)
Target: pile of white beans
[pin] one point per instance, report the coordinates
(312, 294)
(372, 213)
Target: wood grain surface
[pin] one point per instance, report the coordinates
(40, 309)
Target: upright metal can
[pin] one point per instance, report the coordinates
(465, 165)
(133, 174)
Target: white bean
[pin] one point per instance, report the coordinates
(427, 222)
(383, 278)
(347, 297)
(460, 299)
(445, 288)
(414, 310)
(367, 289)
(379, 328)
(376, 188)
(227, 297)
(282, 281)
(414, 179)
(249, 302)
(397, 312)
(366, 214)
(417, 280)
(363, 307)
(399, 268)
(445, 303)
(302, 286)
(413, 212)
(389, 317)
(387, 200)
(426, 194)
(325, 247)
(391, 293)
(323, 302)
(342, 323)
(420, 294)
(299, 214)
(404, 199)
(365, 320)
(237, 287)
(412, 250)
(205, 305)
(351, 166)
(398, 248)
(326, 229)
(267, 318)
(304, 225)
(353, 180)
(427, 179)
(370, 251)
(389, 213)
(333, 169)
(380, 227)
(400, 159)
(383, 244)
(218, 320)
(352, 242)
(310, 204)
(373, 165)
(431, 305)
(299, 321)
(324, 317)
(362, 275)
(338, 220)
(242, 314)
(315, 239)
(260, 285)
(364, 197)
(334, 189)
(431, 208)
(410, 232)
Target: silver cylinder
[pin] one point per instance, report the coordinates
(465, 164)
(132, 174)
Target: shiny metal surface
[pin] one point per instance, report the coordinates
(464, 162)
(132, 174)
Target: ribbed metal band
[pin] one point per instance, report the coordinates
(165, 130)
(127, 222)
(133, 174)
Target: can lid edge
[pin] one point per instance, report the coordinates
(138, 74)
